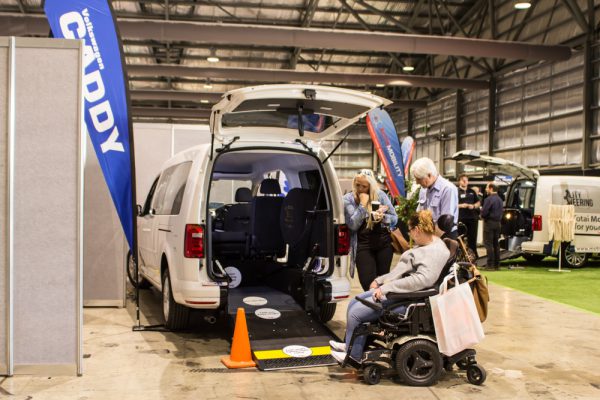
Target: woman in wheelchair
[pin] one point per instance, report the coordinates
(418, 269)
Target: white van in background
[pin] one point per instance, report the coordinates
(525, 221)
(260, 208)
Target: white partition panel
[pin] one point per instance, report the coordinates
(104, 245)
(156, 143)
(4, 211)
(46, 193)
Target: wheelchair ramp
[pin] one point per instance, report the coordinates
(504, 255)
(282, 334)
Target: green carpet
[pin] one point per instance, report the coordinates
(579, 288)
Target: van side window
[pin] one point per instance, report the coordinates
(170, 189)
(148, 201)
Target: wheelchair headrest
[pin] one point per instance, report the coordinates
(270, 186)
(243, 195)
(445, 222)
(452, 246)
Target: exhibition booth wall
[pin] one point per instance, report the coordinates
(41, 206)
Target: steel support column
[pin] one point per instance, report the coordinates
(491, 116)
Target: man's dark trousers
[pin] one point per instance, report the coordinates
(491, 236)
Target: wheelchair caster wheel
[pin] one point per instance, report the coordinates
(476, 374)
(462, 364)
(372, 374)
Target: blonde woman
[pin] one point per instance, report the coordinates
(370, 216)
(418, 269)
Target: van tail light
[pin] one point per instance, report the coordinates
(536, 223)
(194, 241)
(342, 243)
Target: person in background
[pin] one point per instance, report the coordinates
(438, 194)
(479, 196)
(491, 212)
(369, 216)
(418, 269)
(468, 211)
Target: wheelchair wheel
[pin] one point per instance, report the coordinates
(476, 374)
(372, 374)
(462, 364)
(419, 363)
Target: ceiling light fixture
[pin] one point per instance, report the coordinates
(208, 85)
(204, 101)
(212, 58)
(380, 84)
(522, 5)
(408, 68)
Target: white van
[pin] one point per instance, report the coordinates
(525, 220)
(260, 207)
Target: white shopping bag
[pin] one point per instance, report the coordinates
(455, 317)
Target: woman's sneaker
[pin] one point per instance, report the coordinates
(338, 346)
(339, 356)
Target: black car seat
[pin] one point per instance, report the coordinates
(237, 218)
(235, 240)
(265, 220)
(297, 222)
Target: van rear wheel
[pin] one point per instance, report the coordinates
(136, 281)
(571, 259)
(176, 316)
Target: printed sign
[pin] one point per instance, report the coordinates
(297, 351)
(255, 301)
(586, 200)
(267, 313)
(235, 275)
(383, 133)
(104, 92)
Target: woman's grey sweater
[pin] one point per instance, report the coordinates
(422, 266)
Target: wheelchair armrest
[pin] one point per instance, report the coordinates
(421, 294)
(373, 306)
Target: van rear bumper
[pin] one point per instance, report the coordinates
(340, 289)
(533, 247)
(197, 295)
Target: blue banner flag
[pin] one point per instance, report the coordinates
(408, 148)
(104, 90)
(383, 133)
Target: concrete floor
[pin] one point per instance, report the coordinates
(534, 349)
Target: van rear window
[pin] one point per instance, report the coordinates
(317, 115)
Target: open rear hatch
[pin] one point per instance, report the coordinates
(289, 112)
(494, 165)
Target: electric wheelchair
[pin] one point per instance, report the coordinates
(404, 342)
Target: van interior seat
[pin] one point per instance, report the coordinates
(265, 220)
(297, 223)
(236, 225)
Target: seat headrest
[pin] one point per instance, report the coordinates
(445, 222)
(452, 246)
(243, 195)
(270, 186)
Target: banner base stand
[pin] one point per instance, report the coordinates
(150, 328)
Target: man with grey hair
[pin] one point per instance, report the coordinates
(437, 194)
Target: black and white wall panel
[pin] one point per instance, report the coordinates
(42, 206)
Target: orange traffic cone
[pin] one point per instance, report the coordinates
(240, 357)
